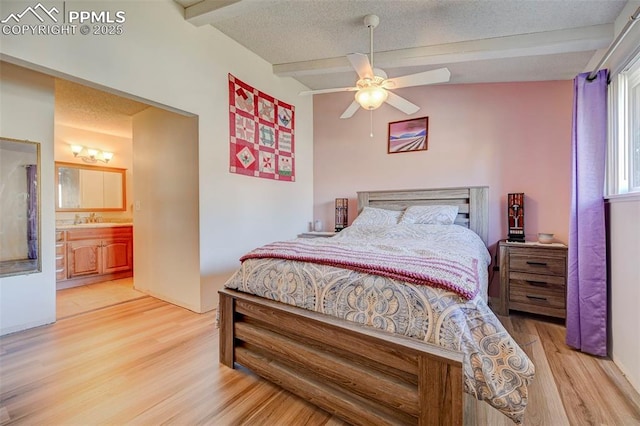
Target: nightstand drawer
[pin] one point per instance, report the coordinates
(535, 281)
(546, 265)
(519, 288)
(536, 296)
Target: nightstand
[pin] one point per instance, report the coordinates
(533, 278)
(316, 234)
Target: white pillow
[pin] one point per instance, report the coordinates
(431, 215)
(374, 216)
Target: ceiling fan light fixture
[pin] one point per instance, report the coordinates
(374, 87)
(371, 97)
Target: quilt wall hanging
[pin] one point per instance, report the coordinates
(261, 133)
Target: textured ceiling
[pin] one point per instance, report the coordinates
(297, 31)
(290, 31)
(90, 109)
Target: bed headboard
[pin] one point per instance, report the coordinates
(472, 202)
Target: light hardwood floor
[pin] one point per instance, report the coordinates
(148, 362)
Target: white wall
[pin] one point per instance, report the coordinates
(166, 237)
(624, 235)
(164, 60)
(26, 112)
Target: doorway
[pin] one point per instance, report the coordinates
(102, 121)
(96, 121)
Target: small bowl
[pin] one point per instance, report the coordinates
(545, 238)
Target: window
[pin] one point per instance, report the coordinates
(623, 175)
(634, 126)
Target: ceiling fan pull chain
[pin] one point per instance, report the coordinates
(371, 115)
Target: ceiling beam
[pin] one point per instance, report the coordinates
(211, 11)
(533, 44)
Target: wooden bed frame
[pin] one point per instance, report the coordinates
(362, 375)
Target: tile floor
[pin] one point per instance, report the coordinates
(76, 300)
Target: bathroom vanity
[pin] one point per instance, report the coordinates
(89, 253)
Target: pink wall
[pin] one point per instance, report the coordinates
(512, 137)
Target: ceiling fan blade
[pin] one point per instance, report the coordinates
(351, 110)
(401, 103)
(440, 75)
(332, 90)
(360, 63)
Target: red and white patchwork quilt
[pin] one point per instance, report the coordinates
(261, 133)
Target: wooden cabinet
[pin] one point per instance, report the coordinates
(533, 278)
(84, 258)
(61, 256)
(117, 255)
(97, 254)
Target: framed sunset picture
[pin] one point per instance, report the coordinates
(408, 135)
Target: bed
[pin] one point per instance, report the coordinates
(363, 365)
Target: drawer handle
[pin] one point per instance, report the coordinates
(536, 297)
(536, 263)
(538, 283)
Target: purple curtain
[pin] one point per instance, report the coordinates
(32, 211)
(587, 278)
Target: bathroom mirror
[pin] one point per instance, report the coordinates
(81, 188)
(19, 207)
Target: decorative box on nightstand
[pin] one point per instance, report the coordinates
(316, 234)
(533, 278)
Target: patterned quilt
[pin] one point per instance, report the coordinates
(495, 368)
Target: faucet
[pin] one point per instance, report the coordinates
(77, 220)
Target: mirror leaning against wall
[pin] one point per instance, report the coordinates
(19, 207)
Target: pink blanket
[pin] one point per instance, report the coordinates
(423, 267)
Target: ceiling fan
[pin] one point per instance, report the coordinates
(373, 87)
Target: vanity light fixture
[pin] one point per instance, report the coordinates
(91, 155)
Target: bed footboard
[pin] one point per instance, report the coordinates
(362, 375)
